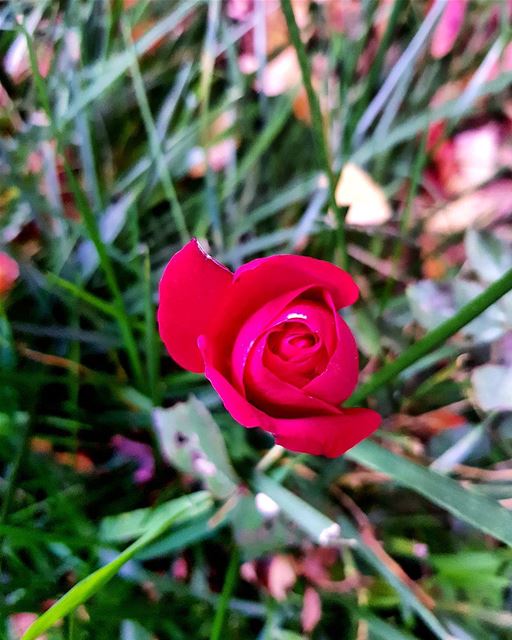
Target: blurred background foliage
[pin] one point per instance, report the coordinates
(129, 126)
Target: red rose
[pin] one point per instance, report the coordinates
(269, 339)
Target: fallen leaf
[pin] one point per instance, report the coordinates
(281, 74)
(366, 200)
(478, 208)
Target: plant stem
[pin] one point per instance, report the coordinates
(227, 590)
(320, 139)
(434, 338)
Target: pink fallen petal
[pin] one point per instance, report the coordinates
(20, 622)
(138, 452)
(311, 610)
(448, 28)
(9, 273)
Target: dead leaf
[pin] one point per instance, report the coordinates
(478, 208)
(366, 200)
(281, 74)
(219, 154)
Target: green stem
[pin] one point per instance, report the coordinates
(434, 338)
(227, 590)
(321, 145)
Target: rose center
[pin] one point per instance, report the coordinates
(292, 341)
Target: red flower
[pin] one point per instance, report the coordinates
(271, 343)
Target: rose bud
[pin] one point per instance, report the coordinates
(9, 272)
(269, 339)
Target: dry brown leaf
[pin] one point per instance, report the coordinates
(478, 208)
(366, 199)
(281, 74)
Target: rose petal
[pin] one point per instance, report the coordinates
(191, 290)
(326, 435)
(235, 402)
(269, 277)
(255, 325)
(276, 397)
(336, 383)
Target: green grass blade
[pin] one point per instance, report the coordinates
(434, 338)
(154, 142)
(318, 127)
(475, 509)
(227, 590)
(191, 505)
(89, 220)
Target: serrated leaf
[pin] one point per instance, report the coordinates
(129, 525)
(191, 441)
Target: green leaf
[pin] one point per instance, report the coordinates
(126, 526)
(380, 630)
(315, 524)
(83, 590)
(477, 510)
(191, 441)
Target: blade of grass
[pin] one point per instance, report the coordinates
(319, 136)
(191, 505)
(205, 85)
(412, 126)
(434, 338)
(154, 140)
(88, 219)
(406, 60)
(105, 75)
(479, 511)
(227, 590)
(406, 594)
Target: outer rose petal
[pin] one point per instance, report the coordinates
(236, 404)
(325, 435)
(262, 280)
(280, 273)
(191, 289)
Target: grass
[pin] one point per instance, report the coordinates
(128, 128)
